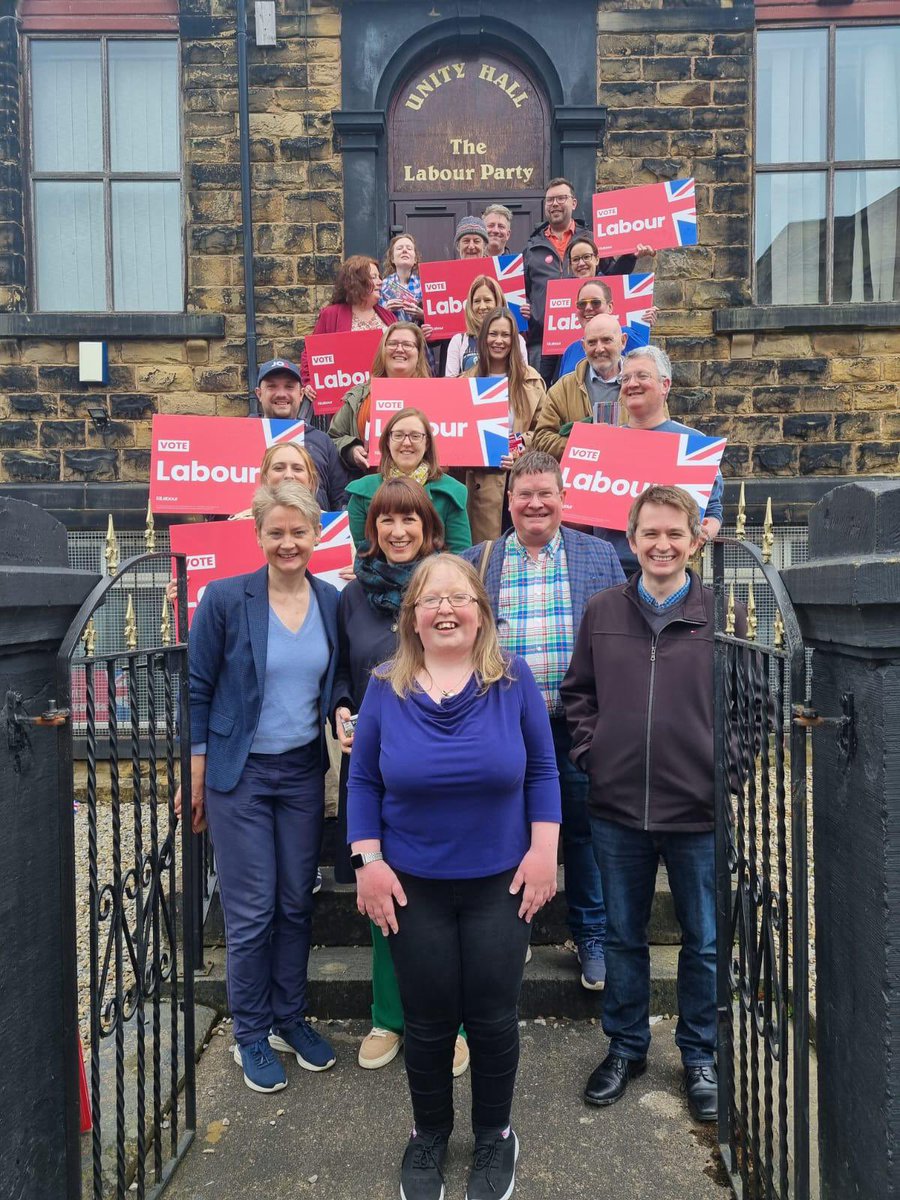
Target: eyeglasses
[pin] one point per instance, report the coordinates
(397, 437)
(455, 600)
(393, 344)
(550, 201)
(584, 305)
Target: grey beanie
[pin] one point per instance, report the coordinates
(471, 225)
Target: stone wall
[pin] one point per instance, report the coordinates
(792, 403)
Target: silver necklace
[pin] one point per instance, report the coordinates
(446, 693)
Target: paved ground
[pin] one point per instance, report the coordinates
(340, 1135)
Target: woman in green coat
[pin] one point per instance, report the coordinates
(407, 449)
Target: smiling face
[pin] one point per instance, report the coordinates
(408, 441)
(287, 539)
(536, 508)
(483, 300)
(446, 629)
(584, 261)
(559, 205)
(287, 463)
(400, 536)
(401, 352)
(499, 339)
(663, 545)
(498, 232)
(644, 392)
(592, 302)
(471, 245)
(404, 252)
(603, 341)
(279, 396)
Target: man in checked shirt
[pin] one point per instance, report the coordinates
(539, 577)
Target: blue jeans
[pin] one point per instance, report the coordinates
(584, 892)
(628, 859)
(267, 833)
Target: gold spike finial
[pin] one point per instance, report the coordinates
(131, 633)
(165, 625)
(768, 533)
(740, 526)
(89, 637)
(779, 630)
(729, 615)
(112, 549)
(149, 531)
(751, 614)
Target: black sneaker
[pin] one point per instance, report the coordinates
(422, 1169)
(493, 1173)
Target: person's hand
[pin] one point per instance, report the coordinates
(536, 879)
(198, 791)
(525, 310)
(345, 741)
(417, 312)
(394, 305)
(348, 574)
(651, 316)
(643, 250)
(709, 527)
(172, 591)
(360, 457)
(377, 888)
(506, 461)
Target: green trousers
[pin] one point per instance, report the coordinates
(387, 1009)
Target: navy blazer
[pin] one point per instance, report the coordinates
(591, 565)
(227, 658)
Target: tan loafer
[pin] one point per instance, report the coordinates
(378, 1048)
(460, 1055)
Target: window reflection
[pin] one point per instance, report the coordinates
(866, 211)
(790, 238)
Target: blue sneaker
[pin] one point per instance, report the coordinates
(312, 1050)
(593, 964)
(262, 1070)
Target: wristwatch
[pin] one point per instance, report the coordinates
(360, 860)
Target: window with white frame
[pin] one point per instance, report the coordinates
(106, 175)
(827, 205)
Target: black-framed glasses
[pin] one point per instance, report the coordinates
(398, 437)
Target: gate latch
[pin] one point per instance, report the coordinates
(18, 720)
(845, 724)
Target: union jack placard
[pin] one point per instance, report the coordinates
(605, 468)
(469, 417)
(661, 215)
(632, 295)
(510, 273)
(445, 286)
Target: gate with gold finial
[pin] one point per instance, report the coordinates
(763, 917)
(125, 680)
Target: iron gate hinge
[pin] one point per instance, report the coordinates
(845, 724)
(18, 720)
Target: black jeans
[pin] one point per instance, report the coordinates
(459, 958)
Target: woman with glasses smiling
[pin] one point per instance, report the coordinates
(453, 820)
(407, 449)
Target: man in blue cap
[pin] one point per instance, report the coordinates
(280, 395)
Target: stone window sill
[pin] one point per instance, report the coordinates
(110, 326)
(779, 317)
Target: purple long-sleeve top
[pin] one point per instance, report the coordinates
(451, 789)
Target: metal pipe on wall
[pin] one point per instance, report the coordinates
(246, 204)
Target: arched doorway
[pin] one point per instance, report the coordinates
(466, 129)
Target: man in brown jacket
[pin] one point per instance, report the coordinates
(638, 697)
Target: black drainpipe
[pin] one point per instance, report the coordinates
(246, 204)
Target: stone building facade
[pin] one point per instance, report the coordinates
(804, 393)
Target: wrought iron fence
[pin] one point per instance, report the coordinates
(140, 934)
(762, 877)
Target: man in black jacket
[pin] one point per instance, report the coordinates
(639, 701)
(546, 257)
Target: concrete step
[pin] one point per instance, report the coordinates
(340, 983)
(337, 923)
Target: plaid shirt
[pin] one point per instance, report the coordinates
(534, 614)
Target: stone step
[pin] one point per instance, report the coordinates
(340, 983)
(337, 923)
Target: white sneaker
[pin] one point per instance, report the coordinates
(378, 1048)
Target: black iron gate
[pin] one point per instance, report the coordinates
(761, 861)
(124, 677)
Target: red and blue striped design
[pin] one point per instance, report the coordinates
(277, 432)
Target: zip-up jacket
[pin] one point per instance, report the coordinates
(541, 262)
(640, 710)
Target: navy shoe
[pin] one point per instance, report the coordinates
(593, 964)
(312, 1051)
(262, 1070)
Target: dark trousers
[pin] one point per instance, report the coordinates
(545, 364)
(459, 957)
(584, 892)
(628, 861)
(267, 833)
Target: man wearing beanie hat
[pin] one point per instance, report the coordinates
(471, 238)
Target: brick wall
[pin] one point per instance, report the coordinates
(820, 403)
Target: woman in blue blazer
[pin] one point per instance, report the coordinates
(263, 650)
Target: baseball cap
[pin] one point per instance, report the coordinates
(277, 364)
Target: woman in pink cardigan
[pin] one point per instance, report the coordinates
(354, 305)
